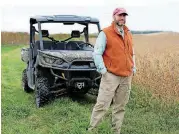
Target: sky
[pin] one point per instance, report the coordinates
(143, 14)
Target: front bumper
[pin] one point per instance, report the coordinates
(77, 80)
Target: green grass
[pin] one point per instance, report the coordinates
(144, 114)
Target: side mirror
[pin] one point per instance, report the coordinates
(45, 33)
(75, 34)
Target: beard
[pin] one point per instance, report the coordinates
(118, 23)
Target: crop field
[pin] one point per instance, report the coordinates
(154, 102)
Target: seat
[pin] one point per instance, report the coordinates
(73, 45)
(60, 46)
(47, 45)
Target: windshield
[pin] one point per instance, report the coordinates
(61, 32)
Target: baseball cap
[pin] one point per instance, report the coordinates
(120, 11)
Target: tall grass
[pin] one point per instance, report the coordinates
(14, 38)
(160, 73)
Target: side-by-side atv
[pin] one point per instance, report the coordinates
(59, 66)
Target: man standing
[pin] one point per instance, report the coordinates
(114, 58)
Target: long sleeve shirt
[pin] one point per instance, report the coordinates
(99, 49)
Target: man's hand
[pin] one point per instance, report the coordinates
(134, 70)
(103, 71)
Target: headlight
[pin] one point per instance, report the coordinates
(49, 60)
(59, 61)
(52, 60)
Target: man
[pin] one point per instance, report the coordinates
(114, 58)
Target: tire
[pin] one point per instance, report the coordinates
(25, 86)
(42, 93)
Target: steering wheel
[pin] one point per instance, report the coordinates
(76, 44)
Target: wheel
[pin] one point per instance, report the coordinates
(25, 86)
(42, 93)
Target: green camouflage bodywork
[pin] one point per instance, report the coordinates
(25, 54)
(60, 57)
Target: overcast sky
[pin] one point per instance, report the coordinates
(143, 14)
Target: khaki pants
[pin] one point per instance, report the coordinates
(112, 88)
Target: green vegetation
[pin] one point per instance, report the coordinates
(144, 113)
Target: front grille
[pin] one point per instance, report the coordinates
(80, 74)
(82, 65)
